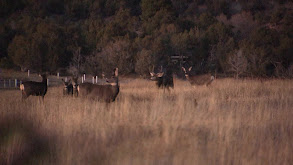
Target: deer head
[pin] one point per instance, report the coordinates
(68, 87)
(44, 77)
(187, 72)
(154, 75)
(66, 83)
(114, 79)
(206, 79)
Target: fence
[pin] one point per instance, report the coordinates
(15, 83)
(52, 81)
(10, 84)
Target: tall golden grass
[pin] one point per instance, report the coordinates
(229, 122)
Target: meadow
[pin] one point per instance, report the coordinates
(230, 122)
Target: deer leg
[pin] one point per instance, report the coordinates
(209, 83)
(43, 99)
(107, 106)
(22, 99)
(24, 96)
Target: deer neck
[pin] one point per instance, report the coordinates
(187, 76)
(115, 88)
(44, 80)
(117, 85)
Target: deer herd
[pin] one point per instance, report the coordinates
(108, 92)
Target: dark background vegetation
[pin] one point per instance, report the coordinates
(230, 37)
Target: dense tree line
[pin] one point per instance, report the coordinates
(233, 37)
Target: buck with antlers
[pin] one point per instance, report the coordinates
(67, 87)
(205, 79)
(34, 88)
(164, 78)
(106, 93)
(75, 85)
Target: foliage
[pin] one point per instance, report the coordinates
(237, 63)
(144, 62)
(18, 51)
(134, 34)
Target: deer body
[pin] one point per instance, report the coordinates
(34, 88)
(205, 79)
(75, 86)
(68, 88)
(163, 79)
(106, 93)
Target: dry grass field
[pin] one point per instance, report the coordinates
(230, 122)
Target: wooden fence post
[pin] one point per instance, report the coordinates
(96, 79)
(15, 83)
(28, 73)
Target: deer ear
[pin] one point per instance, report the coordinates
(151, 73)
(190, 69)
(116, 72)
(183, 69)
(160, 74)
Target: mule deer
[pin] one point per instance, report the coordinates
(67, 87)
(164, 78)
(75, 86)
(34, 88)
(205, 79)
(106, 93)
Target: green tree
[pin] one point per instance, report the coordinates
(144, 62)
(78, 9)
(219, 55)
(205, 20)
(218, 32)
(8, 7)
(149, 8)
(118, 53)
(6, 35)
(122, 24)
(160, 18)
(50, 45)
(184, 43)
(19, 52)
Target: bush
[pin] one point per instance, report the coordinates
(6, 63)
(144, 62)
